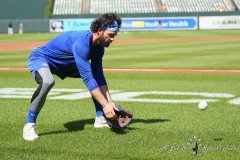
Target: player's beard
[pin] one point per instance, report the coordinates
(103, 42)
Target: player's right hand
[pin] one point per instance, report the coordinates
(109, 110)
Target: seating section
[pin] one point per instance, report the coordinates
(63, 7)
(237, 2)
(122, 6)
(71, 7)
(195, 5)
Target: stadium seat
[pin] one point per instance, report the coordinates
(63, 7)
(122, 6)
(195, 5)
(237, 2)
(74, 7)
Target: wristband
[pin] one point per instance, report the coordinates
(105, 104)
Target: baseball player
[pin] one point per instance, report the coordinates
(74, 54)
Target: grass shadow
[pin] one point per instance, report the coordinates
(52, 132)
(72, 126)
(76, 126)
(217, 139)
(149, 121)
(79, 125)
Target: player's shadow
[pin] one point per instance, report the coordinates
(217, 139)
(148, 121)
(72, 126)
(79, 125)
(144, 121)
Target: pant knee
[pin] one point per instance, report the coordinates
(49, 83)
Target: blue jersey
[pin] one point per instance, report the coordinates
(71, 54)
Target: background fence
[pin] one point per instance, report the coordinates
(32, 15)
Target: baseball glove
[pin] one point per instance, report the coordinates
(123, 118)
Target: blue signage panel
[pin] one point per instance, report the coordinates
(76, 24)
(130, 24)
(177, 23)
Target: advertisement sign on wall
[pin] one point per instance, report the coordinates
(56, 25)
(77, 24)
(176, 23)
(219, 22)
(129, 24)
(65, 25)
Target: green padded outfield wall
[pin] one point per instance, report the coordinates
(29, 12)
(22, 9)
(30, 25)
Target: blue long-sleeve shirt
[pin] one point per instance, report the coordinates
(69, 55)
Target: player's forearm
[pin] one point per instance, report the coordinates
(99, 96)
(105, 92)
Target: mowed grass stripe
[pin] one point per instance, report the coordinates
(196, 54)
(14, 58)
(27, 37)
(176, 34)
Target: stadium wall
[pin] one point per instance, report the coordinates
(22, 9)
(29, 25)
(43, 25)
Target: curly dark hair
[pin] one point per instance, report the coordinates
(105, 20)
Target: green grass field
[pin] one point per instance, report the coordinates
(164, 124)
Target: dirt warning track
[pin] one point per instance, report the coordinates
(13, 46)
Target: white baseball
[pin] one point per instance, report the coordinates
(203, 105)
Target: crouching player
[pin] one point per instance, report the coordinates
(74, 54)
